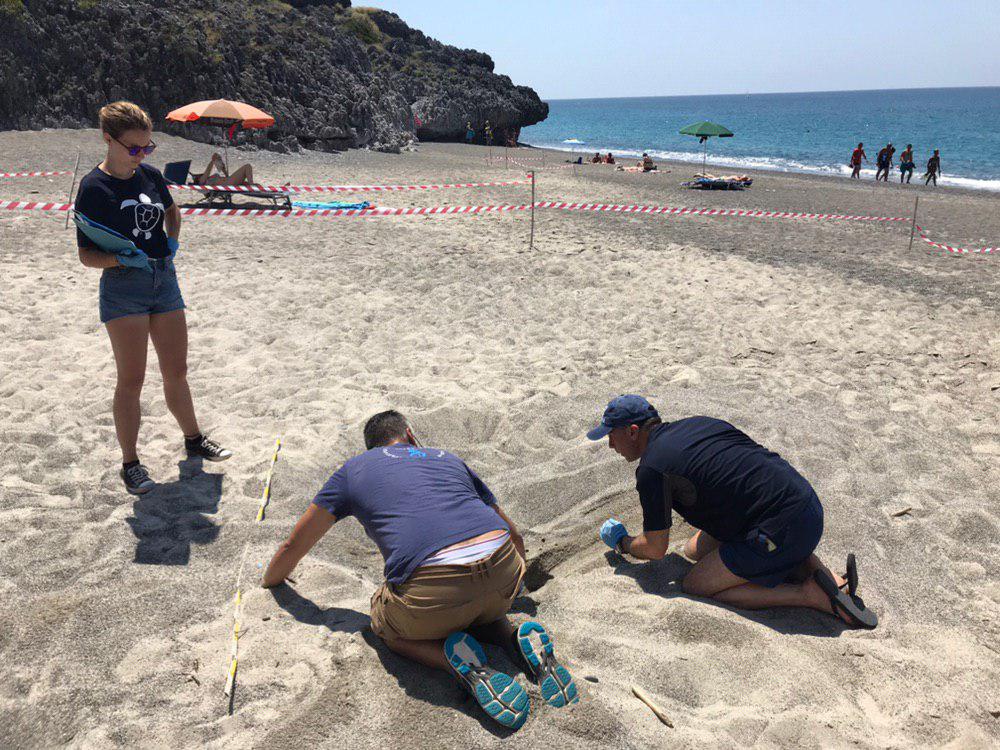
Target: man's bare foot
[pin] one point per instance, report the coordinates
(818, 599)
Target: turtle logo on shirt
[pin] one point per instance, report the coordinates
(147, 214)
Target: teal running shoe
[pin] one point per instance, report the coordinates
(501, 697)
(554, 680)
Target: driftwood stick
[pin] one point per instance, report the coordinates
(642, 695)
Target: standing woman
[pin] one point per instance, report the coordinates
(139, 304)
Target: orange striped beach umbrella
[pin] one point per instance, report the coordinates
(222, 112)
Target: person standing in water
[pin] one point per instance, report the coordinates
(856, 156)
(139, 296)
(906, 164)
(933, 168)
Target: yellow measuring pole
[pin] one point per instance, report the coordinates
(265, 497)
(238, 599)
(231, 679)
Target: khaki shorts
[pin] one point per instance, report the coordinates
(439, 600)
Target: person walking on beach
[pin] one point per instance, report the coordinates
(856, 156)
(470, 134)
(453, 560)
(139, 295)
(884, 163)
(933, 168)
(759, 521)
(906, 164)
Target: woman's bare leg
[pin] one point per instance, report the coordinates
(129, 342)
(242, 176)
(169, 334)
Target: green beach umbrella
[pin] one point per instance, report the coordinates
(704, 131)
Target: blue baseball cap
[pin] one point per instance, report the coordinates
(621, 412)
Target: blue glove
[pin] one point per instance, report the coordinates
(612, 532)
(172, 245)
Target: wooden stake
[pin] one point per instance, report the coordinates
(642, 695)
(913, 224)
(531, 242)
(72, 185)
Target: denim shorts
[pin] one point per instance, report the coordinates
(135, 291)
(769, 562)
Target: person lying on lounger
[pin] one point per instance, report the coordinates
(453, 560)
(759, 520)
(242, 176)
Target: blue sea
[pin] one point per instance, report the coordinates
(807, 132)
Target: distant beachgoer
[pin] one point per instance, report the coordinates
(906, 164)
(856, 156)
(470, 134)
(933, 168)
(488, 133)
(242, 176)
(139, 297)
(596, 158)
(646, 163)
(609, 159)
(759, 520)
(453, 560)
(884, 163)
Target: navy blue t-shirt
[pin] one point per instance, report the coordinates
(134, 207)
(412, 502)
(718, 480)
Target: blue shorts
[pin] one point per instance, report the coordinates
(770, 561)
(133, 291)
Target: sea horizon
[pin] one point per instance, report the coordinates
(804, 132)
(549, 100)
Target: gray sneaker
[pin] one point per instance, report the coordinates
(136, 478)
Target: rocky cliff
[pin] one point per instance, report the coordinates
(333, 76)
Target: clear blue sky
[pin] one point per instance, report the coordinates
(595, 48)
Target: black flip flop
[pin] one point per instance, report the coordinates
(852, 606)
(852, 574)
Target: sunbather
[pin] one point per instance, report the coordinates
(609, 159)
(759, 520)
(453, 560)
(596, 158)
(646, 163)
(242, 176)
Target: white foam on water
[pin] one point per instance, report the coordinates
(772, 164)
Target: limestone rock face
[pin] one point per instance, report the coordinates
(333, 76)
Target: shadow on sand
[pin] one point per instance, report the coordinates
(664, 579)
(170, 518)
(417, 681)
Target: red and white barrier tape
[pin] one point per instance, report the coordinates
(341, 188)
(502, 208)
(956, 250)
(544, 168)
(678, 210)
(296, 212)
(501, 157)
(34, 174)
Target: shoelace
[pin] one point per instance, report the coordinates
(136, 474)
(210, 445)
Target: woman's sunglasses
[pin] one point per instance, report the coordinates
(134, 150)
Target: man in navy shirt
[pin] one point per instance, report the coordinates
(759, 521)
(453, 560)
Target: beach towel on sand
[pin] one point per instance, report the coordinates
(332, 205)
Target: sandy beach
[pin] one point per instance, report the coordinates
(871, 367)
